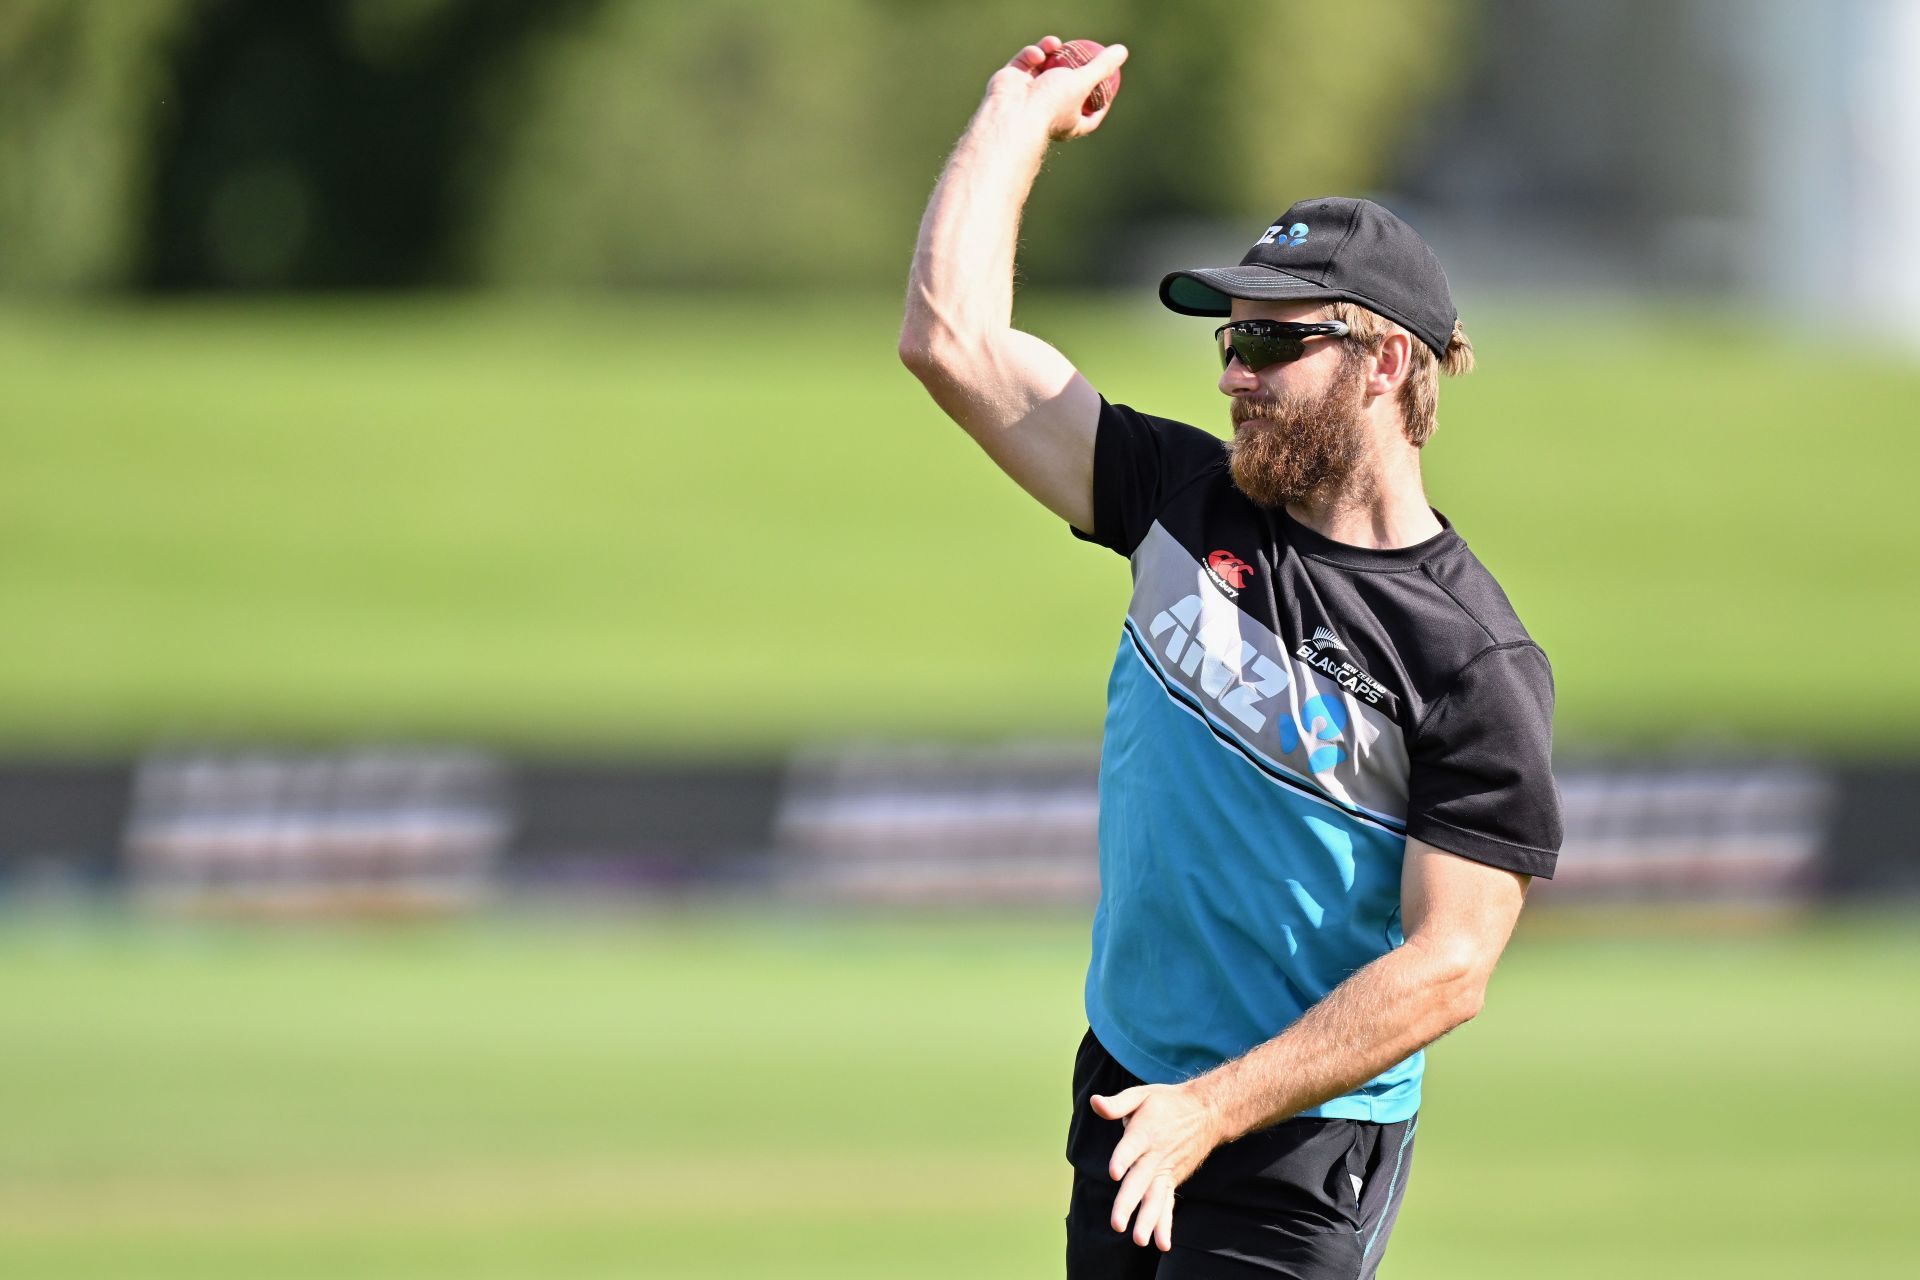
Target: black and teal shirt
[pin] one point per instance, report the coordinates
(1284, 712)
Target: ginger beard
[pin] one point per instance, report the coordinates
(1288, 447)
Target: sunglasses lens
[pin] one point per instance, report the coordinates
(1257, 351)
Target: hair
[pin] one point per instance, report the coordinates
(1420, 393)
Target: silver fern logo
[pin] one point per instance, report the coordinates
(1315, 651)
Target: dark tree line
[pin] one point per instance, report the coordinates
(338, 144)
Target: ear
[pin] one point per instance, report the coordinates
(1392, 364)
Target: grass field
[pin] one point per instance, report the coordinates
(733, 524)
(757, 1095)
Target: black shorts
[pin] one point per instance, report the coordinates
(1308, 1199)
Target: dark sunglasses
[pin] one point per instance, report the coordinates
(1260, 343)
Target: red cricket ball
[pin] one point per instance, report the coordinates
(1078, 53)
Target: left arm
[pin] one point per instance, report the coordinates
(1457, 916)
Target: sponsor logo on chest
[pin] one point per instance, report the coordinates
(1228, 572)
(1306, 709)
(1323, 652)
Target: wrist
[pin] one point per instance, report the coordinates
(1012, 113)
(1208, 1093)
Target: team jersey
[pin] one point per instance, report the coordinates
(1284, 711)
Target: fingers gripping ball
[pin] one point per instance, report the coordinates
(1078, 53)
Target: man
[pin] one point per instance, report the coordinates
(1326, 778)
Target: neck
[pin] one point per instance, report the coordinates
(1381, 507)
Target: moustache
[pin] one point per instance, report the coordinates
(1250, 408)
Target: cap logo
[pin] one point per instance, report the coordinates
(1285, 237)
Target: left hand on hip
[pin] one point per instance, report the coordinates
(1170, 1130)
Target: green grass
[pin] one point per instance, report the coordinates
(689, 524)
(754, 1094)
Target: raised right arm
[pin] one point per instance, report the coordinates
(1019, 398)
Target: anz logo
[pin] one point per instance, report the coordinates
(1232, 672)
(1238, 678)
(1285, 237)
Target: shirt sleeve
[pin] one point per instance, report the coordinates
(1139, 461)
(1481, 782)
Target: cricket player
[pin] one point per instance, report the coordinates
(1326, 775)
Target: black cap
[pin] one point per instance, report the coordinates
(1334, 247)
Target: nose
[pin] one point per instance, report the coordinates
(1236, 378)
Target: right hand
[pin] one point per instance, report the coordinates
(1058, 95)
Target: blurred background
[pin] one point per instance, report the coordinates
(530, 748)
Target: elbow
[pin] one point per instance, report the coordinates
(934, 355)
(919, 353)
(928, 332)
(923, 337)
(1459, 981)
(1465, 999)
